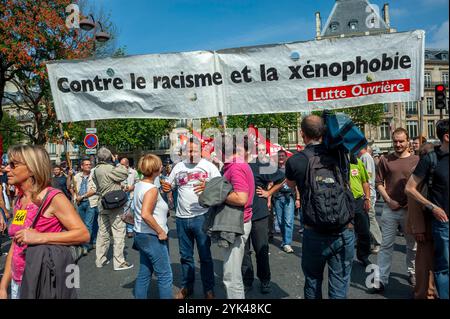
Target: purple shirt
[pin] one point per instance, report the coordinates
(241, 177)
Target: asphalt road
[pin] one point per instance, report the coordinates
(287, 275)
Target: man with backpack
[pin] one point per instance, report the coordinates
(433, 168)
(108, 179)
(327, 204)
(393, 172)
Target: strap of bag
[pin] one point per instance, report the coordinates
(40, 209)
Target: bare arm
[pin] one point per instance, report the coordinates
(411, 190)
(7, 275)
(64, 211)
(290, 183)
(366, 188)
(272, 190)
(237, 198)
(148, 207)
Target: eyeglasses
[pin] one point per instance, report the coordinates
(13, 165)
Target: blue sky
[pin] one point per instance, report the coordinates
(152, 26)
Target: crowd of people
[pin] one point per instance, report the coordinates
(230, 200)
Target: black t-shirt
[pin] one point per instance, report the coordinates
(60, 183)
(263, 174)
(285, 190)
(439, 191)
(297, 164)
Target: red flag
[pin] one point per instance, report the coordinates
(271, 148)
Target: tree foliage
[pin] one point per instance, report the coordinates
(11, 131)
(366, 114)
(284, 122)
(123, 133)
(30, 34)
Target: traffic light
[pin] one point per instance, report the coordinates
(440, 96)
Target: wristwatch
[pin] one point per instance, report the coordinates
(430, 207)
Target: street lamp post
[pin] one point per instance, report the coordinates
(88, 24)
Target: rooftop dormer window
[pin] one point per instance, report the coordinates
(353, 25)
(334, 26)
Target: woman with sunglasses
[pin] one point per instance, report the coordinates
(29, 170)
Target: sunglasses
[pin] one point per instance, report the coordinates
(13, 165)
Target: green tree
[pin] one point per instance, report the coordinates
(123, 133)
(371, 114)
(11, 131)
(30, 35)
(284, 122)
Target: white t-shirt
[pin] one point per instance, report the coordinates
(185, 176)
(160, 212)
(370, 168)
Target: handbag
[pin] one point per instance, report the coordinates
(75, 250)
(114, 199)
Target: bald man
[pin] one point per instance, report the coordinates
(320, 248)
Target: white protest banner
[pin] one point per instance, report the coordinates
(291, 77)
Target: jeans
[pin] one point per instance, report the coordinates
(87, 214)
(284, 210)
(390, 220)
(232, 262)
(338, 252)
(154, 258)
(259, 238)
(362, 230)
(95, 227)
(374, 227)
(15, 290)
(441, 262)
(190, 229)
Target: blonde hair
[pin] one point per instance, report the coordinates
(149, 164)
(37, 161)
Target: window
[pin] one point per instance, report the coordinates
(431, 132)
(334, 26)
(385, 131)
(353, 25)
(411, 108)
(292, 136)
(427, 79)
(52, 148)
(181, 123)
(412, 128)
(386, 108)
(430, 105)
(445, 78)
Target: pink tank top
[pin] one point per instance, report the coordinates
(23, 218)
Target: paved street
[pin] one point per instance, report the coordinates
(287, 276)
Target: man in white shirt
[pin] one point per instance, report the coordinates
(189, 178)
(85, 190)
(375, 231)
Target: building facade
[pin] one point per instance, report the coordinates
(350, 18)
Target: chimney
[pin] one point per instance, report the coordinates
(386, 17)
(318, 26)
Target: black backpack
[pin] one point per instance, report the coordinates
(327, 200)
